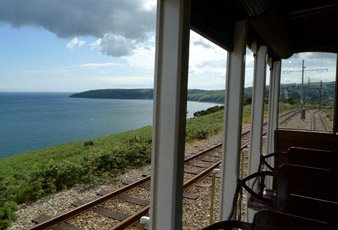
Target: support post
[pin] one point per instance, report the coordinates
(335, 116)
(257, 109)
(170, 98)
(275, 74)
(257, 113)
(233, 108)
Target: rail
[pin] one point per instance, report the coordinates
(135, 217)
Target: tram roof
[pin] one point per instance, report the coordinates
(287, 26)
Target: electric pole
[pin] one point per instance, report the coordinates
(302, 86)
(320, 95)
(302, 94)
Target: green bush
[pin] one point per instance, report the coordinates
(111, 161)
(7, 214)
(7, 208)
(201, 134)
(210, 110)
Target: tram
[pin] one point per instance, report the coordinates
(303, 181)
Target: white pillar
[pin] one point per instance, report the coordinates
(257, 109)
(170, 96)
(233, 107)
(257, 114)
(275, 74)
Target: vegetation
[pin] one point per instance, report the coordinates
(312, 94)
(208, 111)
(290, 93)
(213, 96)
(116, 94)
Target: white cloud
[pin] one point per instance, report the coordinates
(149, 5)
(206, 57)
(291, 68)
(113, 45)
(75, 43)
(143, 57)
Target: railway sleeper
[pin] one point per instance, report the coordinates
(43, 217)
(104, 211)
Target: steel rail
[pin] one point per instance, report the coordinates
(130, 220)
(324, 121)
(289, 115)
(78, 210)
(313, 120)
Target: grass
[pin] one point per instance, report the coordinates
(74, 152)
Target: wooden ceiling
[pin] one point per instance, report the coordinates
(286, 26)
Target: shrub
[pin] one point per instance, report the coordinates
(210, 110)
(7, 208)
(7, 214)
(201, 134)
(30, 191)
(137, 154)
(110, 161)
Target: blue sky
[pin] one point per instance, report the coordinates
(77, 45)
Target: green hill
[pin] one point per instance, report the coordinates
(289, 93)
(116, 94)
(213, 96)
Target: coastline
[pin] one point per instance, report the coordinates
(39, 120)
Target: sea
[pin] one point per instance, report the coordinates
(32, 121)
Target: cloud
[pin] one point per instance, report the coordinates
(143, 56)
(200, 42)
(311, 60)
(125, 22)
(206, 57)
(74, 43)
(324, 63)
(113, 45)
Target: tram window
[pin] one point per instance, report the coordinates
(307, 92)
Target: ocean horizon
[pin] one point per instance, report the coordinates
(35, 120)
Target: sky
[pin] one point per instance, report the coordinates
(78, 45)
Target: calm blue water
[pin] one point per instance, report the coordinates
(30, 121)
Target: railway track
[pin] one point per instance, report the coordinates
(318, 117)
(196, 167)
(324, 121)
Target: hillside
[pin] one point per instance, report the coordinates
(289, 93)
(116, 94)
(215, 96)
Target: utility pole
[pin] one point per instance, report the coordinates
(320, 95)
(302, 94)
(302, 86)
